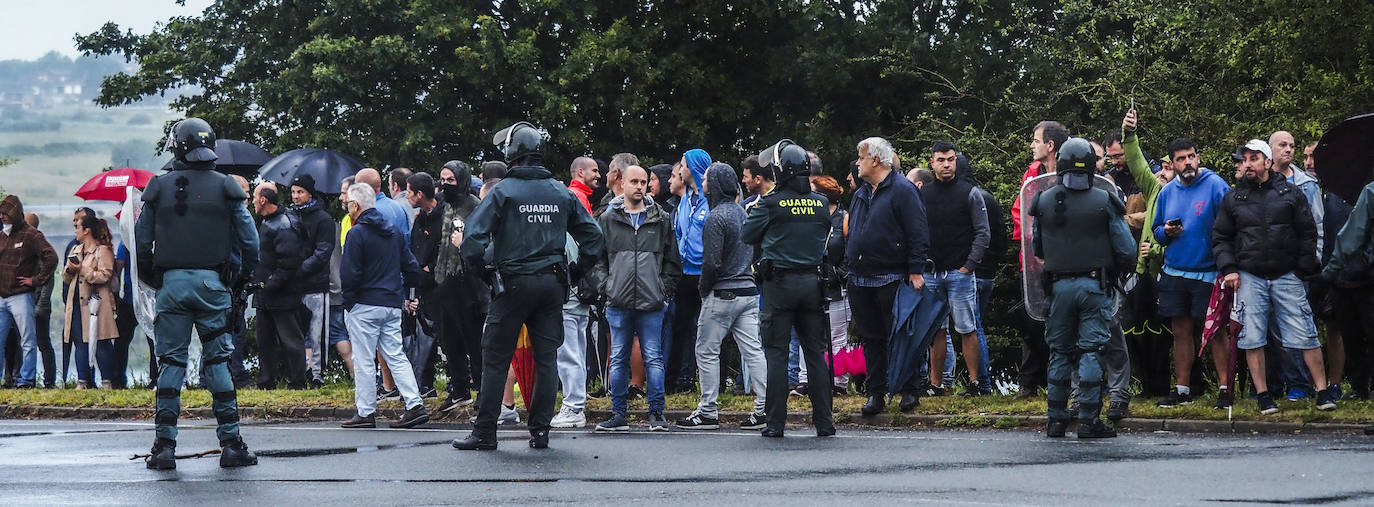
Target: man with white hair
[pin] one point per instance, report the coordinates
(614, 181)
(888, 238)
(376, 271)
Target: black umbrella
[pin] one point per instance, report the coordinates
(327, 167)
(916, 318)
(236, 157)
(1345, 157)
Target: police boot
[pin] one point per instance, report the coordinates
(1095, 429)
(539, 439)
(874, 406)
(475, 443)
(163, 456)
(909, 402)
(1055, 428)
(235, 453)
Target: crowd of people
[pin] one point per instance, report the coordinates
(674, 295)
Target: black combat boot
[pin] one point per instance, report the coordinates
(539, 439)
(874, 406)
(909, 402)
(235, 453)
(1095, 429)
(164, 455)
(1055, 428)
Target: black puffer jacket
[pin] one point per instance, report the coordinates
(280, 255)
(1266, 230)
(317, 245)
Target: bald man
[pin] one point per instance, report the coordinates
(395, 214)
(1291, 368)
(585, 178)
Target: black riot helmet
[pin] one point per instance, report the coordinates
(192, 140)
(787, 160)
(1077, 163)
(520, 141)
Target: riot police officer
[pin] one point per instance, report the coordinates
(192, 218)
(1081, 233)
(792, 223)
(525, 219)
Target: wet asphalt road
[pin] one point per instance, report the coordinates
(80, 462)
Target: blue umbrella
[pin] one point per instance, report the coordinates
(916, 317)
(327, 167)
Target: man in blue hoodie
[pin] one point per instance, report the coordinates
(688, 221)
(377, 268)
(1184, 213)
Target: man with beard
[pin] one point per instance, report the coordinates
(1255, 247)
(1184, 213)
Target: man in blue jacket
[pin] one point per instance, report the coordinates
(1184, 213)
(688, 221)
(888, 238)
(377, 268)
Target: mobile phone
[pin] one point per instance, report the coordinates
(1177, 222)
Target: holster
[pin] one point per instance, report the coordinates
(763, 271)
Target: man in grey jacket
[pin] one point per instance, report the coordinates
(638, 272)
(731, 302)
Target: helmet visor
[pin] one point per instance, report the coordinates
(503, 137)
(771, 156)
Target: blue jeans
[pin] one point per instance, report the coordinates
(625, 325)
(17, 310)
(794, 360)
(984, 366)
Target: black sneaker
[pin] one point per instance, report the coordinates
(754, 422)
(163, 456)
(1095, 429)
(1225, 398)
(1175, 399)
(412, 417)
(235, 453)
(429, 392)
(1116, 410)
(617, 422)
(1326, 399)
(1266, 403)
(657, 422)
(696, 421)
(314, 384)
(461, 399)
(383, 394)
(800, 390)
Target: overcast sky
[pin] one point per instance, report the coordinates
(31, 28)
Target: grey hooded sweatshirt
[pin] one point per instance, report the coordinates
(725, 257)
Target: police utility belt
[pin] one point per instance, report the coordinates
(1096, 274)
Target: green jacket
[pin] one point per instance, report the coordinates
(1149, 186)
(1353, 241)
(791, 227)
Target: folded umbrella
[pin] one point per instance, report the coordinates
(1218, 319)
(327, 167)
(915, 320)
(523, 364)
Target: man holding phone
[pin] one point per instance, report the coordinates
(1184, 213)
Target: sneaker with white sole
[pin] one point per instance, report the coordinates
(696, 421)
(508, 416)
(754, 422)
(568, 417)
(657, 422)
(617, 422)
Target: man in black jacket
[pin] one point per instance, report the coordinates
(278, 298)
(425, 237)
(985, 270)
(960, 237)
(888, 238)
(317, 245)
(1262, 241)
(461, 297)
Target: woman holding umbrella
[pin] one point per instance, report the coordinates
(89, 271)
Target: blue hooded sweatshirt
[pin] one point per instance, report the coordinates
(1196, 205)
(691, 213)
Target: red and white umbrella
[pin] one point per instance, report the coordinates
(110, 185)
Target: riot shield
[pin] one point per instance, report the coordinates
(1033, 290)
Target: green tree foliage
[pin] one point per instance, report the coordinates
(416, 82)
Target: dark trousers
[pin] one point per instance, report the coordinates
(870, 309)
(458, 331)
(281, 337)
(1354, 315)
(681, 347)
(794, 299)
(43, 329)
(1149, 343)
(535, 302)
(1035, 354)
(125, 322)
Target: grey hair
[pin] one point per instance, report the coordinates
(363, 195)
(878, 148)
(621, 161)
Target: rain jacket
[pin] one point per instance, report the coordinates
(317, 245)
(1350, 259)
(691, 214)
(640, 266)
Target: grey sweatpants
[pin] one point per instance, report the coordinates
(720, 318)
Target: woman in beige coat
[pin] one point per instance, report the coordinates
(89, 273)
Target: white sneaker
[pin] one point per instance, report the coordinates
(508, 416)
(569, 417)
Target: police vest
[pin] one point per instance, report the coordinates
(1075, 229)
(194, 227)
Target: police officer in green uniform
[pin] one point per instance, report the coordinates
(192, 218)
(526, 219)
(792, 223)
(1081, 233)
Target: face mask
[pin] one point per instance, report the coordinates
(451, 193)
